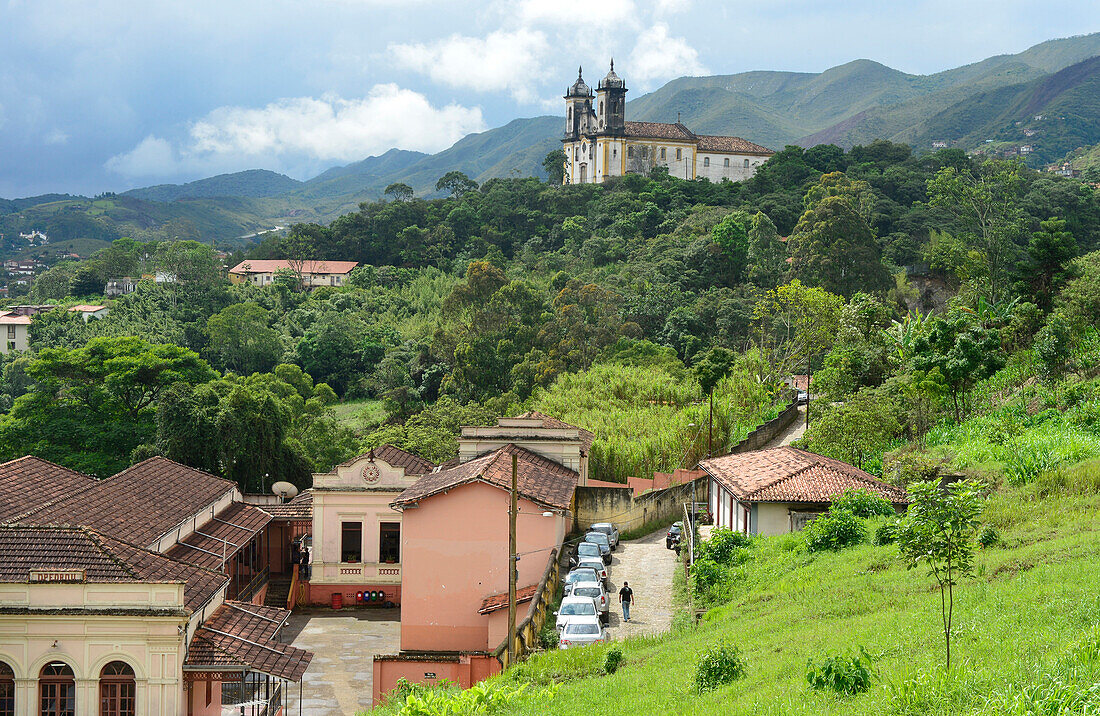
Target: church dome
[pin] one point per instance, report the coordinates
(612, 80)
(579, 88)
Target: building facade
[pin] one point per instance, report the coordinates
(314, 274)
(600, 144)
(15, 336)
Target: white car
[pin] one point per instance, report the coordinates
(596, 592)
(581, 574)
(582, 631)
(575, 608)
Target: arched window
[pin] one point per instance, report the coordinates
(601, 108)
(630, 152)
(117, 692)
(7, 690)
(570, 116)
(56, 690)
(706, 161)
(746, 162)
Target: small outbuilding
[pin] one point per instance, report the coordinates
(779, 490)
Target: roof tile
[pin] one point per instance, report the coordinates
(30, 483)
(273, 265)
(244, 634)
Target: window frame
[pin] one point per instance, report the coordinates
(389, 531)
(347, 527)
(57, 691)
(117, 690)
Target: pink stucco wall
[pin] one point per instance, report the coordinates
(466, 671)
(455, 553)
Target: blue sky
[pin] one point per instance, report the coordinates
(98, 96)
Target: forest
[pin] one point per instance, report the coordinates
(900, 282)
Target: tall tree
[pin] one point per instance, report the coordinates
(835, 248)
(731, 234)
(554, 164)
(797, 323)
(242, 339)
(456, 183)
(962, 350)
(767, 255)
(399, 191)
(1046, 269)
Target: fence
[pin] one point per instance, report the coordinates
(527, 631)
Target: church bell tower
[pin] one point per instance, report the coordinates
(578, 107)
(611, 104)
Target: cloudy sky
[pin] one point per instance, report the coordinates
(108, 95)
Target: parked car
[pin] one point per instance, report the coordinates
(573, 608)
(605, 544)
(586, 549)
(596, 592)
(608, 529)
(803, 397)
(597, 566)
(582, 574)
(674, 535)
(582, 632)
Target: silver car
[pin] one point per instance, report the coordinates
(581, 574)
(582, 632)
(608, 529)
(597, 566)
(575, 607)
(594, 591)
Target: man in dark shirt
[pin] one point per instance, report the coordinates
(626, 598)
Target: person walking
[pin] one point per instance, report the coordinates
(626, 598)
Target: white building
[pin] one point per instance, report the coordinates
(599, 143)
(15, 332)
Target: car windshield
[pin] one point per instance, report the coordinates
(582, 575)
(674, 530)
(578, 608)
(582, 628)
(593, 566)
(597, 537)
(587, 592)
(588, 548)
(605, 528)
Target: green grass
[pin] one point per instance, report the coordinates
(361, 416)
(1026, 627)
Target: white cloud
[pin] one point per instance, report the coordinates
(501, 61)
(657, 56)
(582, 13)
(56, 136)
(670, 7)
(303, 132)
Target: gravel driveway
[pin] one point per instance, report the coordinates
(649, 568)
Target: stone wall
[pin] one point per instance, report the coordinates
(768, 431)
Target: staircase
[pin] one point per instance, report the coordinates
(278, 591)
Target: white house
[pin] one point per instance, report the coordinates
(90, 311)
(15, 332)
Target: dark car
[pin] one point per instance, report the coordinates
(675, 534)
(605, 545)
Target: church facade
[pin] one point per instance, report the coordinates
(599, 143)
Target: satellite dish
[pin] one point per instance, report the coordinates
(284, 490)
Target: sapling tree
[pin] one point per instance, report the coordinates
(939, 530)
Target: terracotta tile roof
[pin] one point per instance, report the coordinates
(493, 602)
(549, 421)
(103, 558)
(659, 130)
(29, 483)
(539, 479)
(396, 457)
(240, 634)
(237, 524)
(86, 308)
(299, 508)
(139, 504)
(273, 265)
(709, 143)
(14, 319)
(787, 474)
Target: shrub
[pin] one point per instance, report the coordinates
(704, 575)
(549, 636)
(988, 536)
(886, 533)
(862, 503)
(612, 660)
(724, 546)
(835, 530)
(843, 674)
(720, 664)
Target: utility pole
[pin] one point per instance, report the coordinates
(710, 426)
(807, 393)
(512, 565)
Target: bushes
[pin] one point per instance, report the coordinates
(612, 660)
(886, 533)
(843, 674)
(835, 530)
(988, 536)
(725, 547)
(705, 574)
(720, 664)
(862, 503)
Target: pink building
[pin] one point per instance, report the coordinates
(455, 546)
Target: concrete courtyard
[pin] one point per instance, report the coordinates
(340, 678)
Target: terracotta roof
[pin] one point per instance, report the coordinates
(14, 319)
(139, 504)
(709, 143)
(299, 508)
(494, 602)
(103, 559)
(396, 457)
(273, 265)
(549, 421)
(86, 308)
(28, 483)
(241, 635)
(540, 479)
(659, 130)
(787, 474)
(237, 524)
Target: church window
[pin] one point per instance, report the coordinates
(746, 163)
(645, 152)
(679, 154)
(726, 162)
(601, 108)
(630, 152)
(576, 153)
(662, 152)
(584, 148)
(570, 116)
(706, 161)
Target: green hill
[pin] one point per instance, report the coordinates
(250, 183)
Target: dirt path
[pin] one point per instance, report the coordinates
(793, 432)
(649, 568)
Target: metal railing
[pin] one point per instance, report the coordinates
(248, 590)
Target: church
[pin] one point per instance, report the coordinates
(599, 143)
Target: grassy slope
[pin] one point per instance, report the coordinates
(1034, 599)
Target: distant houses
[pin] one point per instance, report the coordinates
(314, 274)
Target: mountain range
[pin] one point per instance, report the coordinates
(1045, 99)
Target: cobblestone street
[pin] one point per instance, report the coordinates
(649, 568)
